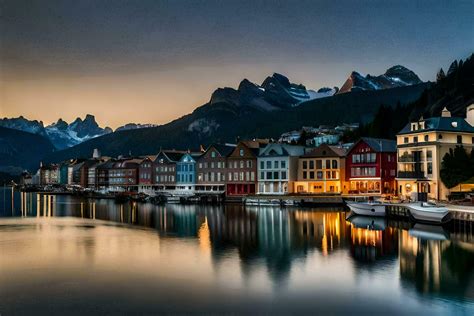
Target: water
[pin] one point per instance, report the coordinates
(62, 254)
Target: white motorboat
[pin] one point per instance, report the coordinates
(429, 212)
(370, 208)
(367, 222)
(428, 232)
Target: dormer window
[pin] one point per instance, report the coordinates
(422, 125)
(414, 127)
(241, 152)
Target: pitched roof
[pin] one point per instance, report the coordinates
(277, 149)
(378, 144)
(442, 124)
(325, 150)
(171, 155)
(223, 149)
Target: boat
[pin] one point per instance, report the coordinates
(428, 232)
(367, 222)
(429, 212)
(369, 208)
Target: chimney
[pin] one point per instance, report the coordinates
(445, 112)
(470, 115)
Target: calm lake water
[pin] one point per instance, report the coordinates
(62, 254)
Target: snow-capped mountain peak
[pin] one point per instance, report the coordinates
(396, 76)
(61, 134)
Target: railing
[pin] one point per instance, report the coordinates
(409, 158)
(411, 174)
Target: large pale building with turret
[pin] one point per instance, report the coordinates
(421, 147)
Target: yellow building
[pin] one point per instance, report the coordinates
(421, 147)
(321, 171)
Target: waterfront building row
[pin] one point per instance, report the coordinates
(404, 167)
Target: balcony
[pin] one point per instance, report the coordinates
(411, 175)
(410, 158)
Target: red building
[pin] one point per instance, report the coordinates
(371, 166)
(241, 177)
(145, 171)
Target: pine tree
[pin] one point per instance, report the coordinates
(440, 75)
(453, 67)
(455, 167)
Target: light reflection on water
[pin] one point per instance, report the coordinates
(70, 255)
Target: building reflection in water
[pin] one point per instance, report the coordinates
(436, 265)
(372, 239)
(431, 260)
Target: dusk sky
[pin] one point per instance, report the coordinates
(153, 61)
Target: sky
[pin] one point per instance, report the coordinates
(151, 61)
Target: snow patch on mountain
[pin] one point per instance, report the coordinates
(203, 126)
(134, 126)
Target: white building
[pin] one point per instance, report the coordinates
(277, 168)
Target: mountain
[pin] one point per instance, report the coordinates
(396, 76)
(455, 91)
(275, 93)
(133, 126)
(23, 124)
(21, 150)
(61, 134)
(247, 112)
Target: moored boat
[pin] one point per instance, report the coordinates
(429, 213)
(370, 208)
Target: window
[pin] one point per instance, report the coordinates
(429, 168)
(472, 140)
(213, 154)
(305, 175)
(262, 165)
(283, 175)
(440, 136)
(269, 175)
(249, 163)
(311, 174)
(405, 140)
(319, 164)
(305, 164)
(283, 163)
(241, 153)
(319, 175)
(241, 164)
(426, 138)
(262, 175)
(311, 164)
(328, 164)
(334, 164)
(275, 175)
(459, 139)
(429, 155)
(415, 139)
(269, 164)
(275, 164)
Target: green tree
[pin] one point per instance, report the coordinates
(456, 167)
